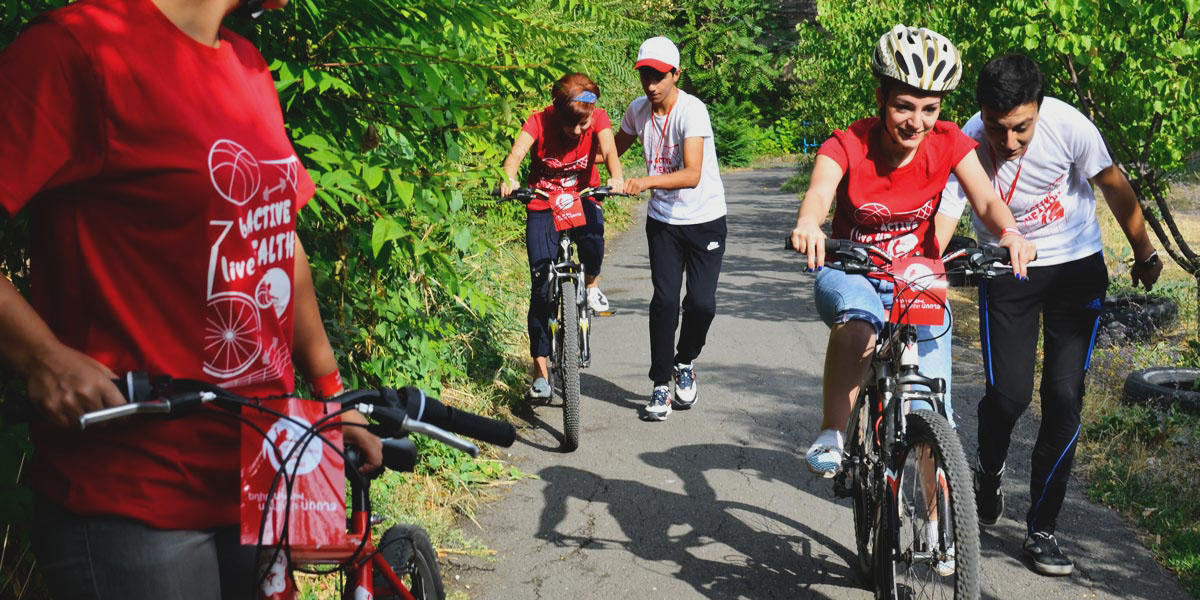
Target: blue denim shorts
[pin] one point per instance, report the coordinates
(841, 298)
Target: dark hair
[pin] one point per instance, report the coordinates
(569, 86)
(1009, 81)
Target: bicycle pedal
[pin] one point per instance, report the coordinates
(840, 488)
(605, 313)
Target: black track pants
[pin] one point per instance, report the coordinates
(676, 249)
(1070, 296)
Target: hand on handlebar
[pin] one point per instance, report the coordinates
(807, 238)
(1020, 251)
(64, 384)
(636, 186)
(507, 187)
(370, 444)
(616, 185)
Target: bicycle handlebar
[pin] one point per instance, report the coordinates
(526, 195)
(856, 257)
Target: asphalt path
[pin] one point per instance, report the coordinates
(715, 502)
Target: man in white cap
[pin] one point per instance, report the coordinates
(685, 223)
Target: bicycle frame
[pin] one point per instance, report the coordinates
(563, 268)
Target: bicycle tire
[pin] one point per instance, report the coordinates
(911, 572)
(407, 549)
(865, 491)
(568, 300)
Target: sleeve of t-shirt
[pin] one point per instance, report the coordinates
(51, 122)
(533, 125)
(697, 123)
(962, 145)
(834, 149)
(1086, 143)
(600, 120)
(629, 123)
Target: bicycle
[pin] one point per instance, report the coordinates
(403, 566)
(904, 469)
(568, 352)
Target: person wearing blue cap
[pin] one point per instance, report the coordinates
(685, 224)
(565, 139)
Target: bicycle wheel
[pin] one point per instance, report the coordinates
(930, 513)
(570, 364)
(865, 486)
(408, 551)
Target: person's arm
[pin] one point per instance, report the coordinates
(313, 355)
(1124, 206)
(623, 141)
(687, 177)
(993, 212)
(807, 237)
(608, 151)
(513, 162)
(62, 383)
(943, 229)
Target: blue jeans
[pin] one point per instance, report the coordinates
(841, 298)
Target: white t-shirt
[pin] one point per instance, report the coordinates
(688, 118)
(1053, 201)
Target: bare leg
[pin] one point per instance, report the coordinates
(591, 281)
(847, 360)
(541, 367)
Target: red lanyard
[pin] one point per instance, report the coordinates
(662, 135)
(1012, 188)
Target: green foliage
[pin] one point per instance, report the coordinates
(735, 132)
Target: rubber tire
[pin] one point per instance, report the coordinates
(570, 366)
(408, 550)
(1153, 386)
(864, 501)
(958, 278)
(932, 428)
(1134, 318)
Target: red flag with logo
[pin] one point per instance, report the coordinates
(920, 293)
(315, 510)
(568, 210)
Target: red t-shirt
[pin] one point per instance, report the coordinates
(892, 208)
(558, 164)
(162, 190)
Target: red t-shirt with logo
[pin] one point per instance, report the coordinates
(558, 164)
(892, 208)
(162, 191)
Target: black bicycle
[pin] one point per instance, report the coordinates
(915, 525)
(570, 327)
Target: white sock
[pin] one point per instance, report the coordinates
(931, 534)
(830, 437)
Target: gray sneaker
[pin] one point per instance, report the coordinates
(540, 389)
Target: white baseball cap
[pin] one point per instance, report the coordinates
(658, 53)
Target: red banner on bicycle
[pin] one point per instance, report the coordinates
(568, 210)
(920, 294)
(315, 508)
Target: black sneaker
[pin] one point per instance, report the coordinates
(989, 498)
(1048, 559)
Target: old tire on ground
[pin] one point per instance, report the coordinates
(1134, 318)
(1163, 386)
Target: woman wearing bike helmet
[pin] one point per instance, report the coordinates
(147, 145)
(886, 173)
(566, 138)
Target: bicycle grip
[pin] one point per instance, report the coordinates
(427, 409)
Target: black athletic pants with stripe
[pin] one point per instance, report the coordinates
(1069, 297)
(674, 250)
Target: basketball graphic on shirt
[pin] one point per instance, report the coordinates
(235, 172)
(274, 290)
(901, 246)
(872, 214)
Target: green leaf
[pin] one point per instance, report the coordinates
(385, 230)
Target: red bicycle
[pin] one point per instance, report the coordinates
(403, 565)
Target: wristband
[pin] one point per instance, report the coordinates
(327, 386)
(1008, 230)
(1149, 260)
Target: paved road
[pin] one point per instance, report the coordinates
(714, 502)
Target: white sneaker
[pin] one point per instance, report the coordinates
(659, 407)
(596, 299)
(824, 457)
(685, 386)
(540, 389)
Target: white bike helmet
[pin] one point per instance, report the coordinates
(921, 58)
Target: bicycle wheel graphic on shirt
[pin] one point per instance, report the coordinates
(232, 334)
(235, 173)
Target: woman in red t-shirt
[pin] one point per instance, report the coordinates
(567, 139)
(887, 174)
(147, 145)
